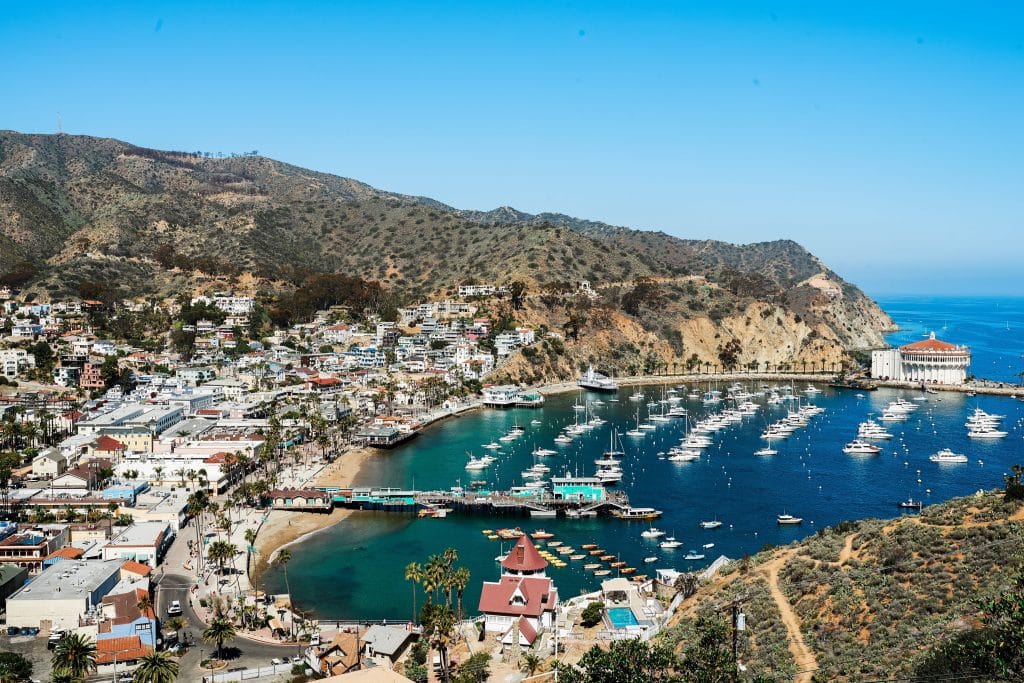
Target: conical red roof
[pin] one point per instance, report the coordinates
(524, 557)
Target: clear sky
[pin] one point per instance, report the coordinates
(886, 137)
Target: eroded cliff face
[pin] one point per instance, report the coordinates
(818, 328)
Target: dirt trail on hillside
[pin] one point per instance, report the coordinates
(806, 663)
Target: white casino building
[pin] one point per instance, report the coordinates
(931, 361)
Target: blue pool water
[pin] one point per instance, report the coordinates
(621, 617)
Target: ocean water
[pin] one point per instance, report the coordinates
(355, 569)
(992, 326)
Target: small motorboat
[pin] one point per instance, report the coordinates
(911, 504)
(591, 567)
(617, 565)
(554, 544)
(606, 558)
(588, 546)
(708, 546)
(653, 532)
(652, 558)
(628, 570)
(670, 543)
(712, 524)
(694, 555)
(602, 572)
(576, 557)
(541, 534)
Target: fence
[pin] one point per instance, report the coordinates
(249, 674)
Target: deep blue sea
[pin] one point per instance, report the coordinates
(355, 569)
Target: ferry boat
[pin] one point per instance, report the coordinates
(637, 513)
(788, 519)
(595, 381)
(948, 456)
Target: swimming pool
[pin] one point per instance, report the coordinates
(622, 617)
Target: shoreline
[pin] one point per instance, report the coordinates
(285, 528)
(987, 387)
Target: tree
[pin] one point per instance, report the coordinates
(592, 614)
(175, 624)
(156, 667)
(626, 661)
(250, 543)
(283, 558)
(475, 669)
(74, 656)
(414, 573)
(460, 579)
(994, 651)
(14, 668)
(1014, 486)
(531, 662)
(219, 630)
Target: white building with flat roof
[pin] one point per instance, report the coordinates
(62, 592)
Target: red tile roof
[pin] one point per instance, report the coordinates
(930, 346)
(538, 595)
(128, 648)
(136, 568)
(524, 557)
(68, 553)
(106, 443)
(525, 629)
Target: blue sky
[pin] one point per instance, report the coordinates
(885, 137)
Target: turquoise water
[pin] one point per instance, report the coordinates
(621, 617)
(355, 569)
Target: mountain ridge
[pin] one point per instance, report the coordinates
(80, 214)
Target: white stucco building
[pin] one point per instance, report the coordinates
(930, 361)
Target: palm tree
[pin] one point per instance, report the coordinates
(531, 662)
(414, 573)
(250, 540)
(75, 656)
(219, 630)
(156, 667)
(283, 558)
(175, 624)
(460, 579)
(159, 472)
(145, 604)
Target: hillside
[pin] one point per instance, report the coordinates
(871, 600)
(87, 215)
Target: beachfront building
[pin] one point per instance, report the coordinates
(523, 601)
(929, 361)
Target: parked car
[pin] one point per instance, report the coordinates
(276, 661)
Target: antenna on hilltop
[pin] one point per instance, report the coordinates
(60, 125)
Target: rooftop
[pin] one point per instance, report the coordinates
(69, 579)
(141, 534)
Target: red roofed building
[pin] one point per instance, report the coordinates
(123, 649)
(523, 601)
(928, 361)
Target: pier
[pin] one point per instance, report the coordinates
(519, 502)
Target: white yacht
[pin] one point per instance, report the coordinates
(788, 519)
(670, 543)
(477, 464)
(948, 456)
(986, 433)
(710, 524)
(861, 447)
(595, 381)
(653, 532)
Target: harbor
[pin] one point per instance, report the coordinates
(810, 479)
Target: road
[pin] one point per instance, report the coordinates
(241, 652)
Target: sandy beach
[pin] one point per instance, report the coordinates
(284, 528)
